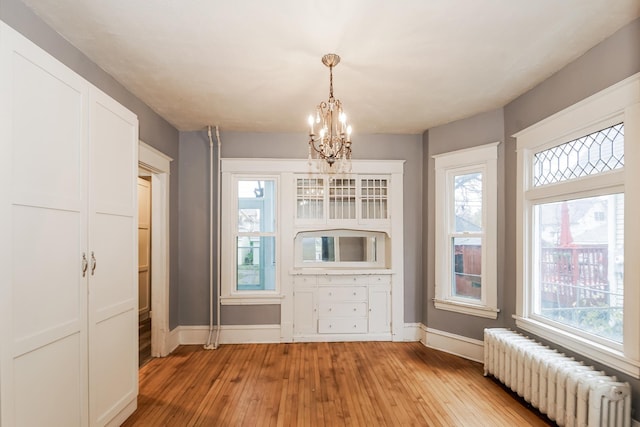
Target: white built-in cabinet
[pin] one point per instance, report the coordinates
(332, 306)
(68, 251)
(342, 298)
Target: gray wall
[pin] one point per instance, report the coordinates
(194, 207)
(154, 130)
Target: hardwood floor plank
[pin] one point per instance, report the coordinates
(322, 384)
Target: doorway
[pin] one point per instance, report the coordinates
(154, 168)
(144, 267)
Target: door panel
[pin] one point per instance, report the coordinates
(113, 288)
(47, 395)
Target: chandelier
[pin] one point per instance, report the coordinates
(332, 142)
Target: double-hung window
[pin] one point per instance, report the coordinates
(249, 238)
(576, 172)
(466, 231)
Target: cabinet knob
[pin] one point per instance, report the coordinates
(330, 293)
(355, 309)
(330, 309)
(354, 294)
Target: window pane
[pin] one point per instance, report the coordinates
(468, 202)
(579, 263)
(597, 152)
(256, 263)
(256, 206)
(467, 267)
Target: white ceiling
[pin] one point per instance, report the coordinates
(407, 65)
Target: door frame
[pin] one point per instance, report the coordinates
(159, 165)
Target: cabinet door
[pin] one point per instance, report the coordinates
(305, 313)
(42, 292)
(43, 365)
(379, 309)
(374, 199)
(342, 200)
(113, 270)
(310, 204)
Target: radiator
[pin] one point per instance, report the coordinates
(566, 390)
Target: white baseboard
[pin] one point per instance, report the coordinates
(249, 334)
(236, 334)
(458, 345)
(412, 332)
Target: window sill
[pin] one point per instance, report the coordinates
(597, 352)
(251, 299)
(471, 309)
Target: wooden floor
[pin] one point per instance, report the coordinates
(323, 384)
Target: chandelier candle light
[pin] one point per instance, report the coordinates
(333, 142)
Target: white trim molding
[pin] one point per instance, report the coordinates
(458, 345)
(159, 165)
(480, 160)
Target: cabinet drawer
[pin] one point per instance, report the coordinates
(342, 326)
(348, 279)
(305, 280)
(342, 309)
(380, 280)
(346, 293)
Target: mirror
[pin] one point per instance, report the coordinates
(340, 248)
(332, 249)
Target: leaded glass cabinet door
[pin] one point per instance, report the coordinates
(310, 204)
(374, 199)
(342, 199)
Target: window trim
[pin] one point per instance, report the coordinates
(483, 159)
(618, 103)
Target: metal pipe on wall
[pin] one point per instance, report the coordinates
(214, 345)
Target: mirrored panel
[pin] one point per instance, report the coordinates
(340, 247)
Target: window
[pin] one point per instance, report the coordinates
(256, 237)
(250, 244)
(573, 284)
(466, 228)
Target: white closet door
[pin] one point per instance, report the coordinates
(113, 283)
(43, 323)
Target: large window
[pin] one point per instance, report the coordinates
(466, 229)
(574, 190)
